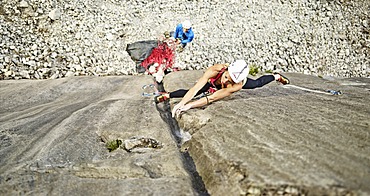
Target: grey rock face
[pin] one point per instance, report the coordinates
(293, 139)
(51, 139)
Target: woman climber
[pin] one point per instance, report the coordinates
(221, 80)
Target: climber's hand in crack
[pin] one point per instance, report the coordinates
(179, 108)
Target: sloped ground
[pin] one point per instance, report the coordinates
(282, 139)
(272, 140)
(51, 139)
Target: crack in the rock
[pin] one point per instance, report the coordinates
(187, 160)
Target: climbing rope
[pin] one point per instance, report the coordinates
(332, 92)
(163, 57)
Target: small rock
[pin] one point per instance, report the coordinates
(55, 14)
(110, 36)
(23, 4)
(8, 73)
(24, 74)
(53, 55)
(141, 142)
(69, 74)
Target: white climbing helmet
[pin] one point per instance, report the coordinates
(238, 70)
(186, 24)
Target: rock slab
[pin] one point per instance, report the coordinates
(293, 139)
(52, 132)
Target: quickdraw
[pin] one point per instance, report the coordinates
(150, 94)
(150, 90)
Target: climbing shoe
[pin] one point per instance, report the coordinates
(284, 80)
(160, 98)
(180, 49)
(167, 34)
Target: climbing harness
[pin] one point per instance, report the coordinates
(213, 80)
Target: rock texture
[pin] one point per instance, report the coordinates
(294, 139)
(276, 140)
(54, 39)
(52, 133)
